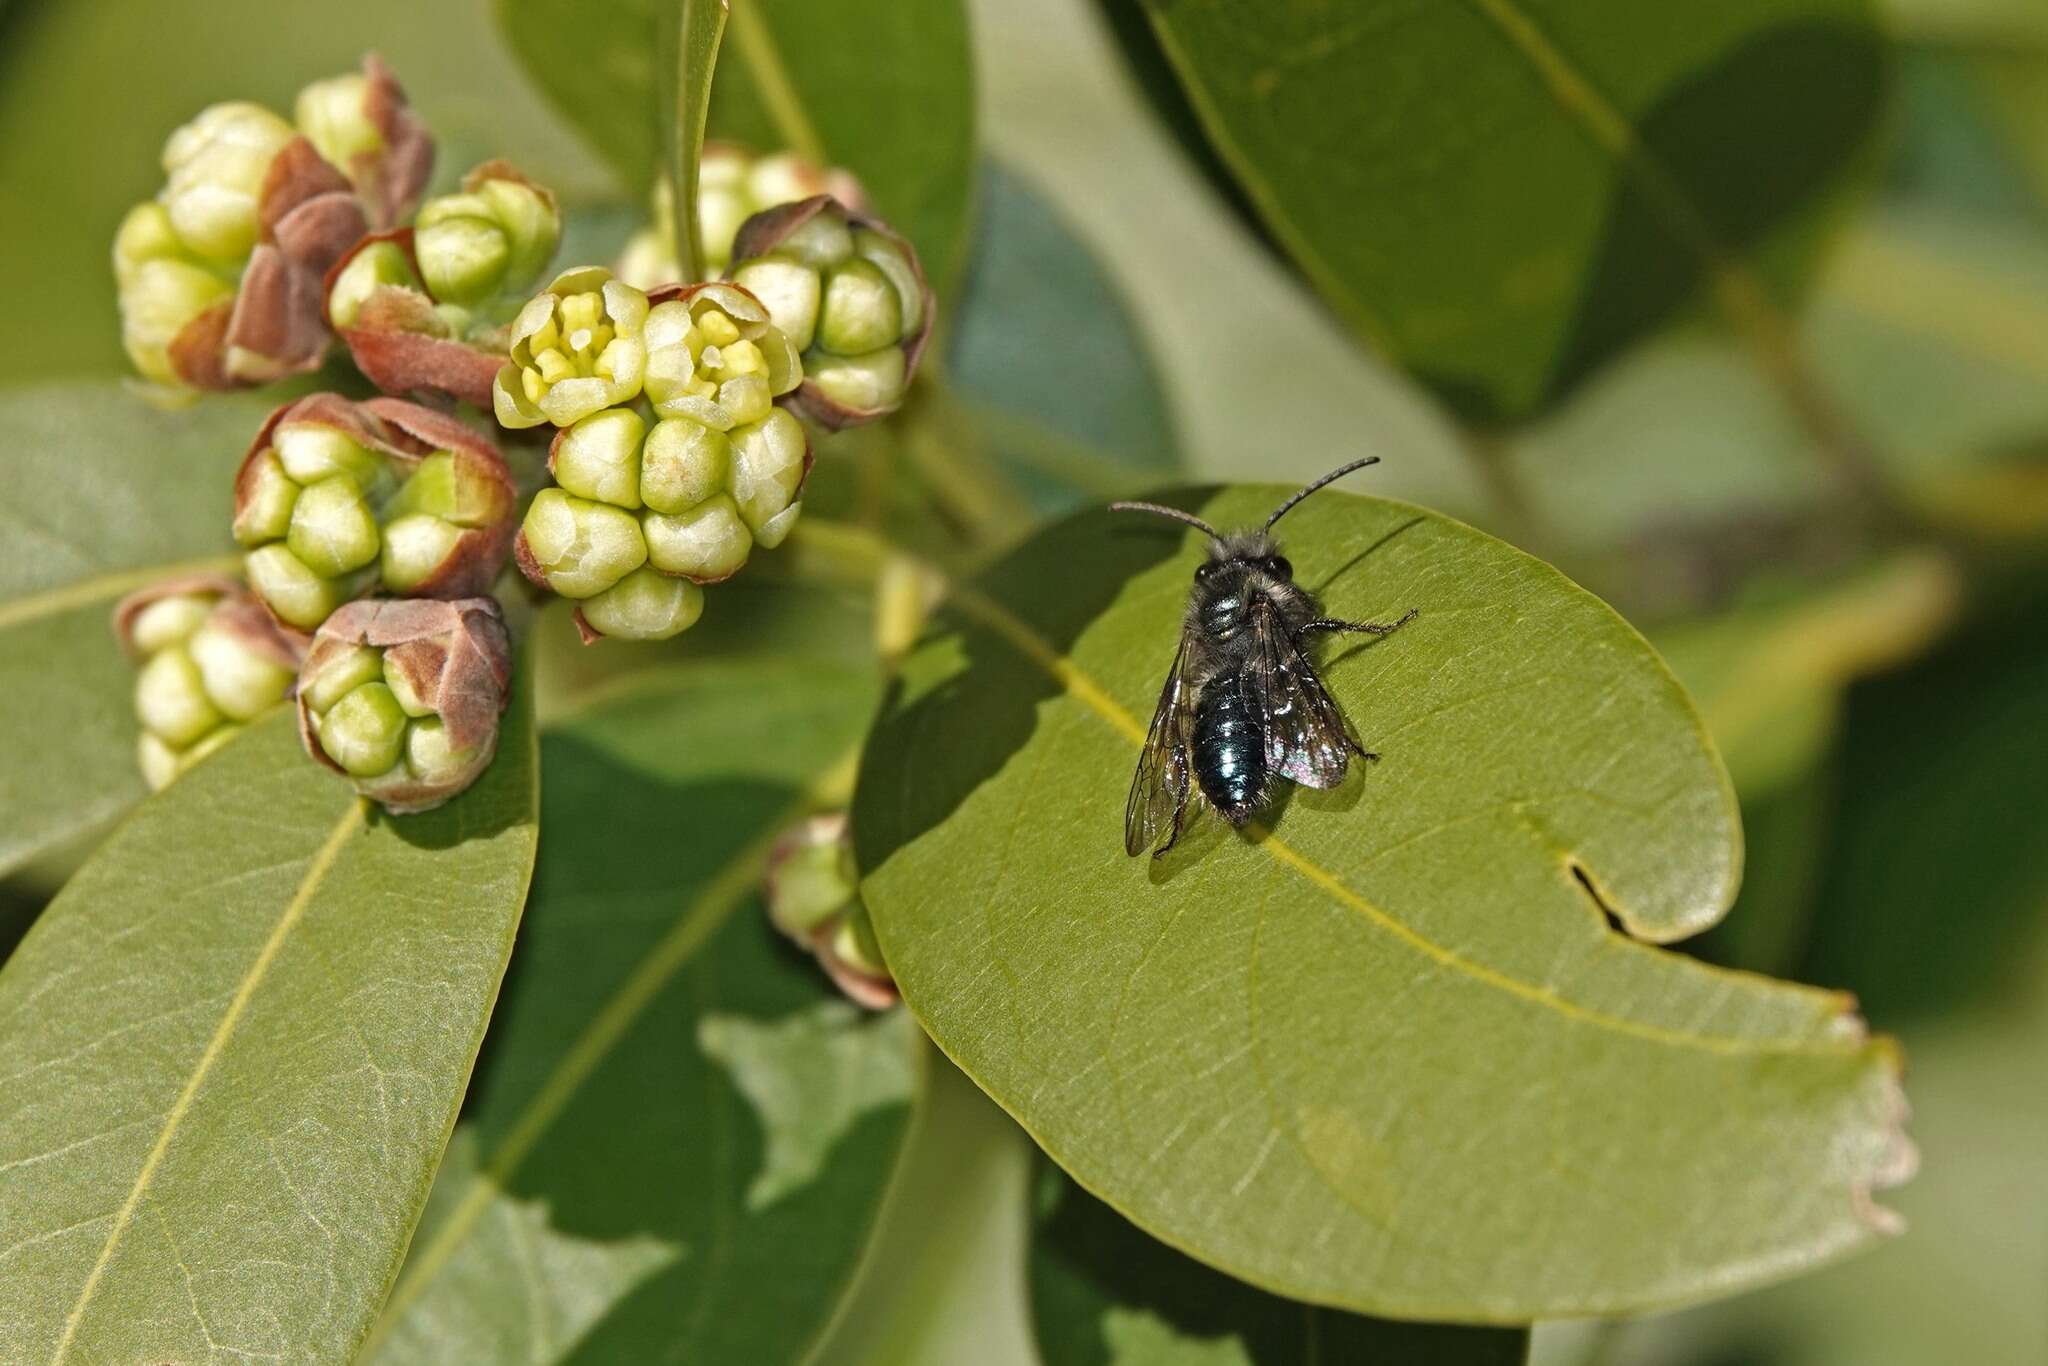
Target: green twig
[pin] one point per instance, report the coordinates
(756, 44)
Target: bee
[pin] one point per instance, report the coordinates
(1242, 707)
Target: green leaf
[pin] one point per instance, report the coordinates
(104, 495)
(1392, 1057)
(1502, 193)
(237, 1042)
(693, 40)
(676, 1111)
(885, 91)
(1104, 1294)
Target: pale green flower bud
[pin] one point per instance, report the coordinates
(768, 468)
(645, 605)
(215, 168)
(576, 349)
(376, 266)
(732, 186)
(159, 300)
(855, 295)
(790, 290)
(171, 701)
(169, 620)
(855, 944)
(493, 238)
(211, 658)
(877, 380)
(334, 116)
(599, 457)
(707, 543)
(812, 894)
(403, 696)
(577, 547)
(242, 682)
(860, 312)
(365, 731)
(682, 463)
(335, 499)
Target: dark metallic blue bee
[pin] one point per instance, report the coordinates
(1242, 706)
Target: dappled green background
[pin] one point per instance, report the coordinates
(1882, 700)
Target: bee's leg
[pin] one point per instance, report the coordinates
(1180, 815)
(1376, 628)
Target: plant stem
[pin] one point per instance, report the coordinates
(757, 48)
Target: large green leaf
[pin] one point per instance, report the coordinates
(1104, 1294)
(1501, 193)
(1392, 1056)
(886, 91)
(105, 495)
(236, 1046)
(678, 1122)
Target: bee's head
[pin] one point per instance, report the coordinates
(1243, 551)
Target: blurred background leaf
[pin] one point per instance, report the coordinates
(885, 91)
(105, 495)
(679, 1135)
(1502, 195)
(259, 985)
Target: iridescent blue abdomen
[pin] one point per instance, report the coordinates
(1230, 748)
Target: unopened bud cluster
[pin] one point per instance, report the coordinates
(813, 897)
(337, 499)
(732, 186)
(404, 695)
(851, 297)
(219, 274)
(210, 660)
(671, 462)
(426, 308)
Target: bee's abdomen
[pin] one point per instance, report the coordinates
(1230, 749)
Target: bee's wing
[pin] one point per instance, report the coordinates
(1305, 736)
(1160, 786)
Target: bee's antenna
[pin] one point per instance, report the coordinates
(1332, 477)
(1164, 511)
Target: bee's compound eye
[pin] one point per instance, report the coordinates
(1278, 567)
(1205, 571)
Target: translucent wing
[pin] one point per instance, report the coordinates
(1159, 789)
(1305, 736)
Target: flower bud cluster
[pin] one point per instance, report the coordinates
(425, 308)
(671, 462)
(732, 186)
(813, 897)
(850, 295)
(219, 276)
(211, 659)
(336, 499)
(404, 695)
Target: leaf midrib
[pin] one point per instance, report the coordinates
(294, 911)
(1075, 682)
(105, 587)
